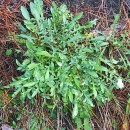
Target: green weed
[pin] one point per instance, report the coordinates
(62, 65)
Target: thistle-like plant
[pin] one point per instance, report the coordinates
(61, 64)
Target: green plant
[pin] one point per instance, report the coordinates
(8, 52)
(62, 65)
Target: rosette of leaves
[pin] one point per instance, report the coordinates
(61, 65)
